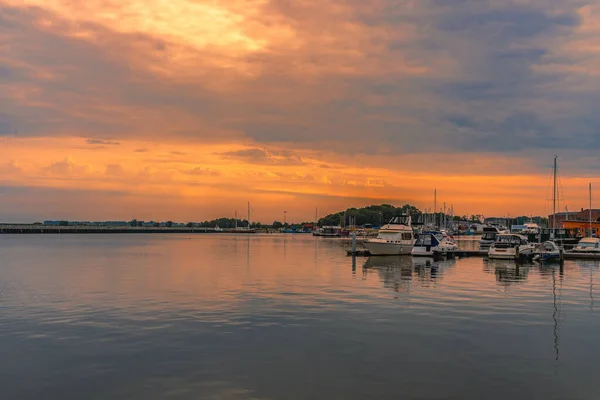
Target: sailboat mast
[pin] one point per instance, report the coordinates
(554, 200)
(235, 222)
(591, 232)
(435, 207)
(248, 215)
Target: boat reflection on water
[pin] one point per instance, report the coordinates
(398, 272)
(507, 271)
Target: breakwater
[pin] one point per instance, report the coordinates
(81, 229)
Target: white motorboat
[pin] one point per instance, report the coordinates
(489, 237)
(329, 231)
(548, 251)
(587, 245)
(475, 229)
(531, 228)
(395, 238)
(511, 247)
(430, 242)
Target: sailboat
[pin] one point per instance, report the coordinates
(549, 250)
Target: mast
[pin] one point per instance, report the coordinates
(249, 216)
(444, 215)
(591, 232)
(235, 223)
(434, 208)
(554, 200)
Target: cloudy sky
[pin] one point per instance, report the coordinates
(187, 109)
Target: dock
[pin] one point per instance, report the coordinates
(454, 254)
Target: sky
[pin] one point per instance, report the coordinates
(188, 109)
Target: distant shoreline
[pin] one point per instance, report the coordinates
(82, 229)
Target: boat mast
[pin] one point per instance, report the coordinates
(249, 216)
(235, 223)
(554, 202)
(591, 232)
(435, 208)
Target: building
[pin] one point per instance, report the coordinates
(579, 216)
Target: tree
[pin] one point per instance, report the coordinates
(277, 225)
(133, 222)
(190, 224)
(169, 224)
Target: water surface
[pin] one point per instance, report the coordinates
(286, 317)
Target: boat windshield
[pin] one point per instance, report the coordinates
(401, 220)
(509, 239)
(587, 245)
(489, 235)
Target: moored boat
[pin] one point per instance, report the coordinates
(588, 245)
(430, 242)
(488, 237)
(511, 247)
(548, 251)
(395, 238)
(330, 231)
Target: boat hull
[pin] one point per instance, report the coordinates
(511, 253)
(387, 249)
(422, 252)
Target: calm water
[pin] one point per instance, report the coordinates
(274, 317)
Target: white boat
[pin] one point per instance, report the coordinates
(476, 229)
(511, 247)
(329, 231)
(531, 228)
(430, 242)
(395, 238)
(548, 251)
(489, 237)
(588, 245)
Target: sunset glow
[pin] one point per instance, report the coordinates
(187, 109)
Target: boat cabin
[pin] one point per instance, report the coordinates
(512, 240)
(429, 239)
(489, 233)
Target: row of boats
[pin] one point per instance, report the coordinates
(399, 238)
